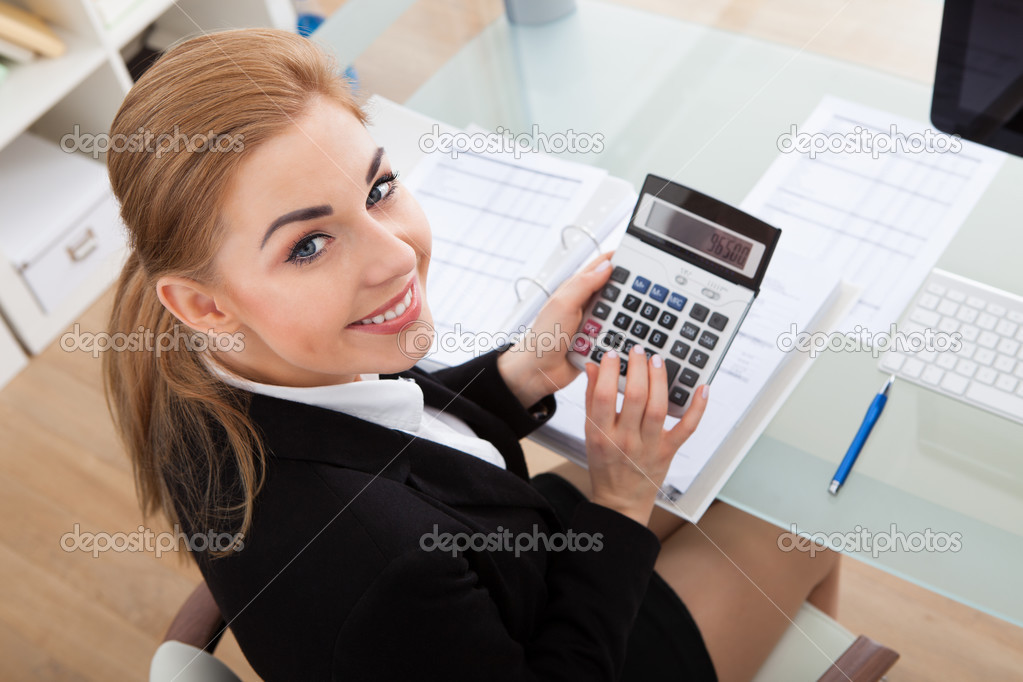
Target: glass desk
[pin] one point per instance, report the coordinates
(706, 107)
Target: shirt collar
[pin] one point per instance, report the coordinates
(391, 403)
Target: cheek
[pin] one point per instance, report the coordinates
(301, 312)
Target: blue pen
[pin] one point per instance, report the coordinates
(873, 413)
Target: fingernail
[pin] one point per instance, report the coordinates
(611, 354)
(636, 350)
(604, 265)
(656, 360)
(704, 391)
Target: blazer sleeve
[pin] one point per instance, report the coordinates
(480, 381)
(427, 617)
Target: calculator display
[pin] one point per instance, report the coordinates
(697, 234)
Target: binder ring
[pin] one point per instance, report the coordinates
(585, 231)
(519, 280)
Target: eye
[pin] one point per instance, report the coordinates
(307, 249)
(383, 189)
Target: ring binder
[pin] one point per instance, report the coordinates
(518, 295)
(585, 231)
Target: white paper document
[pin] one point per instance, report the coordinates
(880, 222)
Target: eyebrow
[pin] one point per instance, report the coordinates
(375, 165)
(301, 214)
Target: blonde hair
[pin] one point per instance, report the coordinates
(193, 448)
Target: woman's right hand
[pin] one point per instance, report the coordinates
(628, 453)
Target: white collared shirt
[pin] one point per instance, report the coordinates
(391, 403)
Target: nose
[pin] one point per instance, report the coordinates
(388, 251)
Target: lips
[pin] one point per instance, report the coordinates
(409, 299)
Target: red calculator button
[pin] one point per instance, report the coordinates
(591, 328)
(581, 345)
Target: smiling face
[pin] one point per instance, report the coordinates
(324, 256)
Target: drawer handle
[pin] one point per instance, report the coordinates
(80, 251)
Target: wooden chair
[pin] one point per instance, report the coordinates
(815, 647)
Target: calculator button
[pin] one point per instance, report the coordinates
(678, 395)
(627, 345)
(622, 321)
(680, 350)
(631, 303)
(658, 338)
(711, 294)
(689, 377)
(610, 340)
(708, 340)
(698, 359)
(640, 329)
(699, 312)
(658, 293)
(671, 367)
(620, 275)
(667, 320)
(581, 345)
(650, 311)
(601, 310)
(610, 292)
(717, 321)
(623, 367)
(597, 354)
(641, 284)
(677, 302)
(591, 328)
(689, 330)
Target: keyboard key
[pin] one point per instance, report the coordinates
(892, 362)
(946, 361)
(640, 329)
(631, 303)
(620, 275)
(996, 309)
(912, 368)
(986, 321)
(601, 310)
(708, 340)
(679, 350)
(967, 368)
(641, 284)
(698, 359)
(976, 302)
(1015, 316)
(657, 339)
(676, 301)
(927, 318)
(932, 375)
(948, 325)
(689, 377)
(956, 295)
(996, 400)
(947, 307)
(591, 327)
(717, 321)
(1006, 383)
(986, 375)
(622, 321)
(689, 330)
(983, 356)
(610, 292)
(699, 312)
(928, 301)
(671, 367)
(969, 332)
(967, 349)
(1008, 346)
(968, 315)
(678, 395)
(658, 293)
(987, 339)
(650, 311)
(667, 320)
(1004, 364)
(936, 289)
(1006, 328)
(581, 345)
(954, 383)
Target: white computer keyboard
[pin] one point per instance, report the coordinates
(987, 371)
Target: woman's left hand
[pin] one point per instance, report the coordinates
(538, 364)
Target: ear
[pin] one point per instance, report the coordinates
(194, 304)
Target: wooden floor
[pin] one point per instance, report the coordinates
(71, 616)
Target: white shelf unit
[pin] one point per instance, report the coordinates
(84, 88)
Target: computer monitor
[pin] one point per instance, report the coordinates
(978, 84)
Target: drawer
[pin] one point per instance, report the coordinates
(59, 268)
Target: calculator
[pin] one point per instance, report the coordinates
(685, 275)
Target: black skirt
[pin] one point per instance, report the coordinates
(665, 642)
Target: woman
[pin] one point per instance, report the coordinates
(282, 255)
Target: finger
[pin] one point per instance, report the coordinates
(597, 261)
(690, 420)
(605, 392)
(575, 292)
(636, 383)
(591, 382)
(656, 402)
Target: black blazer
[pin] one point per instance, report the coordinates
(333, 581)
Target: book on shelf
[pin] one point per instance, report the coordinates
(508, 229)
(28, 31)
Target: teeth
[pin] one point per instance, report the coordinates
(396, 311)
